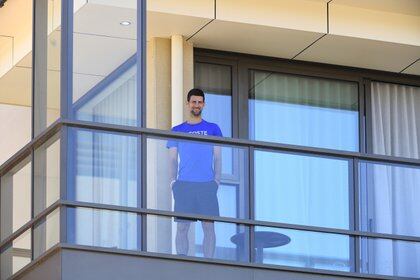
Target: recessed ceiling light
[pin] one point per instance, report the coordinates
(125, 23)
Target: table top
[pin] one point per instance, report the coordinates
(263, 239)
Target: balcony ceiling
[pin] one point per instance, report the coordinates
(408, 7)
(102, 43)
(357, 52)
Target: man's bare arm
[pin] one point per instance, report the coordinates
(173, 164)
(217, 155)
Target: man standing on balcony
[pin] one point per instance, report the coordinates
(195, 180)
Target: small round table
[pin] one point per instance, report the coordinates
(263, 239)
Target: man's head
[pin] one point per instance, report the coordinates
(195, 101)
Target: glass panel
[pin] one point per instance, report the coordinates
(299, 189)
(390, 257)
(47, 174)
(103, 167)
(16, 23)
(205, 239)
(104, 63)
(104, 228)
(181, 177)
(389, 196)
(15, 198)
(15, 255)
(302, 249)
(395, 119)
(53, 61)
(307, 111)
(47, 64)
(47, 233)
(216, 82)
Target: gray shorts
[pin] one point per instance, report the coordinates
(195, 198)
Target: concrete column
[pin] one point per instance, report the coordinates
(177, 79)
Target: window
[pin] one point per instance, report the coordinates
(395, 120)
(304, 111)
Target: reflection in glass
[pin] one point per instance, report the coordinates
(299, 189)
(47, 174)
(390, 257)
(231, 193)
(304, 249)
(103, 228)
(15, 198)
(216, 82)
(47, 65)
(104, 63)
(303, 111)
(15, 77)
(161, 238)
(103, 167)
(15, 255)
(53, 61)
(47, 233)
(389, 196)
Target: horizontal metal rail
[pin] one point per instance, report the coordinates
(32, 145)
(31, 223)
(170, 214)
(237, 142)
(244, 143)
(240, 221)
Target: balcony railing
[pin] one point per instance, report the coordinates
(281, 205)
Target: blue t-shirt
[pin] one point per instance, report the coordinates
(195, 158)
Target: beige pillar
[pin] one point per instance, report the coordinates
(177, 78)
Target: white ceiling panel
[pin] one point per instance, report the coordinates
(105, 20)
(194, 8)
(15, 86)
(413, 69)
(6, 54)
(409, 7)
(83, 83)
(290, 14)
(165, 25)
(253, 39)
(364, 53)
(99, 55)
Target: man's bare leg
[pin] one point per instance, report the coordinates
(181, 239)
(209, 240)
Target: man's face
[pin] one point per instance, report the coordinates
(196, 105)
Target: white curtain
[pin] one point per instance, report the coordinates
(107, 169)
(303, 111)
(392, 193)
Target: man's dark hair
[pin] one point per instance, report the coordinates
(195, 92)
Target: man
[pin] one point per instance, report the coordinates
(195, 180)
